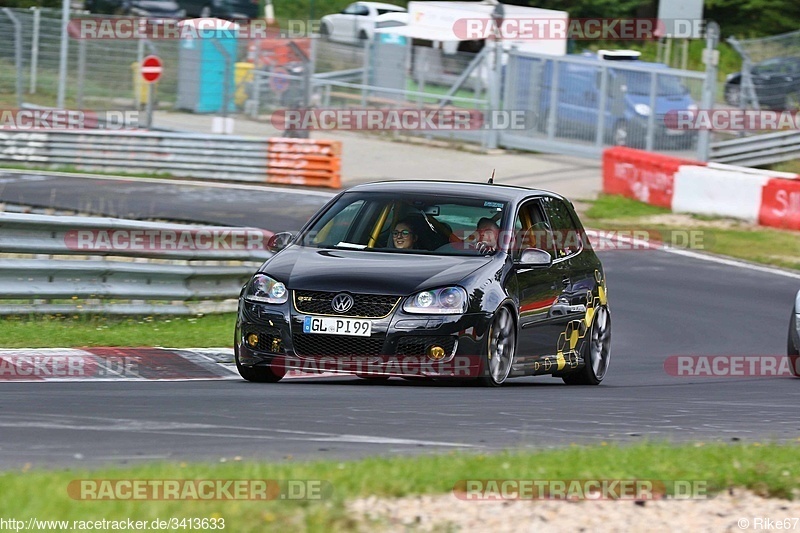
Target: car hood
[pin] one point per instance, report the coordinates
(664, 103)
(157, 6)
(369, 272)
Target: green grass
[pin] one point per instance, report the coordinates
(610, 206)
(735, 239)
(787, 166)
(79, 331)
(767, 469)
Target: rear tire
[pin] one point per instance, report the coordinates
(792, 351)
(596, 352)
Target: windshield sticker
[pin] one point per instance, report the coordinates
(498, 205)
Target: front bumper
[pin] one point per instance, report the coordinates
(399, 344)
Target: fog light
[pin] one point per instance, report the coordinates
(435, 352)
(252, 340)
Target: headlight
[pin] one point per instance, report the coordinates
(642, 109)
(447, 301)
(263, 288)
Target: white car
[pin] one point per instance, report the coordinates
(357, 21)
(793, 347)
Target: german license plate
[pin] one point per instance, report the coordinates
(337, 326)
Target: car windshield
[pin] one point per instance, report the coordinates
(407, 223)
(639, 83)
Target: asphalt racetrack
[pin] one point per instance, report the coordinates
(663, 304)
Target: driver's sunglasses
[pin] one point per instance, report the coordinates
(404, 233)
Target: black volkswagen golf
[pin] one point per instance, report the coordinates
(425, 279)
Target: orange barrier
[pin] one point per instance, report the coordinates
(315, 163)
(276, 51)
(780, 204)
(641, 175)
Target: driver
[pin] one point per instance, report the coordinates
(487, 232)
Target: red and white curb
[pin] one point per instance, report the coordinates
(122, 364)
(763, 197)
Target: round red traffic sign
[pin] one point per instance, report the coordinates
(151, 68)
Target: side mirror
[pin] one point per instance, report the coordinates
(534, 258)
(279, 241)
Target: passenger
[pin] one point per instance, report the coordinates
(403, 236)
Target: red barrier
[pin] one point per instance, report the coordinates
(780, 204)
(641, 175)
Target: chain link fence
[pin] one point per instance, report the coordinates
(567, 104)
(770, 75)
(581, 103)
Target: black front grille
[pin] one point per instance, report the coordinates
(266, 340)
(364, 305)
(418, 345)
(315, 345)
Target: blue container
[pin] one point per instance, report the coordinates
(206, 59)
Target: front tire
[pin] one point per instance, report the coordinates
(325, 30)
(256, 374)
(733, 94)
(502, 346)
(596, 352)
(621, 133)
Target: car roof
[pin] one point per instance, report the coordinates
(511, 193)
(381, 5)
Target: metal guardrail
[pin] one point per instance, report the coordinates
(218, 157)
(41, 271)
(756, 150)
(181, 154)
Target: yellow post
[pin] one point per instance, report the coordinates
(243, 76)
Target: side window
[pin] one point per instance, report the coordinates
(567, 235)
(531, 230)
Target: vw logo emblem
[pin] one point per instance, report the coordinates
(342, 303)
